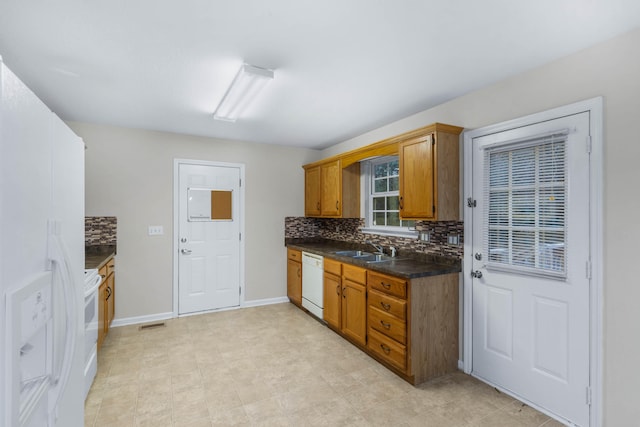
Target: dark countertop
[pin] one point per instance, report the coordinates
(98, 255)
(409, 265)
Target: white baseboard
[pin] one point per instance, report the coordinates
(169, 315)
(461, 365)
(141, 319)
(268, 301)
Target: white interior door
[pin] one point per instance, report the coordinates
(531, 261)
(208, 244)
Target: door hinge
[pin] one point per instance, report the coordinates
(434, 209)
(240, 182)
(588, 144)
(240, 236)
(588, 269)
(588, 396)
(471, 203)
(240, 291)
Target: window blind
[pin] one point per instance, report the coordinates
(525, 205)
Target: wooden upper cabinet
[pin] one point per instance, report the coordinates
(331, 189)
(312, 191)
(429, 175)
(416, 178)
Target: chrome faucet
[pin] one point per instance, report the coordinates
(379, 248)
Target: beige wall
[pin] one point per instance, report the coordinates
(129, 174)
(610, 69)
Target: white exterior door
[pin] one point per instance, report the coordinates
(531, 261)
(208, 246)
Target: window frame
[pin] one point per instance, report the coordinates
(367, 168)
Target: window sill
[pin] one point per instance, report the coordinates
(409, 234)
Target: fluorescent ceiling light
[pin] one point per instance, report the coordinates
(247, 84)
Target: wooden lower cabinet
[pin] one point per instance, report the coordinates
(106, 299)
(354, 311)
(332, 291)
(412, 325)
(294, 276)
(408, 325)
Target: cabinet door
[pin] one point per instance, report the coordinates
(331, 189)
(332, 299)
(102, 311)
(294, 282)
(354, 311)
(417, 183)
(110, 300)
(312, 191)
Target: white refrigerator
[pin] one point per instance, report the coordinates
(41, 263)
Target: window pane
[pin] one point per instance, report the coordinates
(552, 250)
(499, 167)
(524, 248)
(380, 171)
(380, 185)
(393, 184)
(393, 203)
(378, 204)
(394, 168)
(499, 246)
(551, 207)
(393, 218)
(499, 208)
(523, 166)
(378, 218)
(524, 208)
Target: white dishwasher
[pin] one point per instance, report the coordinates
(312, 289)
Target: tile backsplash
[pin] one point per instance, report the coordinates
(350, 230)
(100, 230)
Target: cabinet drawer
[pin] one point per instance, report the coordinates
(111, 266)
(355, 274)
(388, 325)
(388, 349)
(388, 304)
(387, 284)
(333, 267)
(103, 272)
(294, 255)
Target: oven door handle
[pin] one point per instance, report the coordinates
(95, 286)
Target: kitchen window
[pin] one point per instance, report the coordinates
(381, 178)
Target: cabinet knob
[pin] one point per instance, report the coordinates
(385, 348)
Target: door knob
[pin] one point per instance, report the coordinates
(476, 274)
(186, 251)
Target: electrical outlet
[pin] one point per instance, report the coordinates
(156, 230)
(425, 236)
(453, 239)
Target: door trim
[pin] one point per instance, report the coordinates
(594, 107)
(176, 224)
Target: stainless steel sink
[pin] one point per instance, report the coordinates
(353, 253)
(374, 258)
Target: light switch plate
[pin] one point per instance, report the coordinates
(156, 230)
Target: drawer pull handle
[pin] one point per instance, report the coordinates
(298, 271)
(385, 348)
(386, 285)
(385, 305)
(337, 289)
(385, 324)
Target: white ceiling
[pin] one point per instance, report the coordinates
(342, 67)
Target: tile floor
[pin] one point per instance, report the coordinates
(274, 366)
